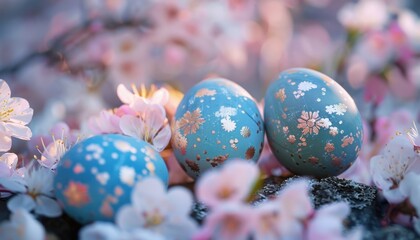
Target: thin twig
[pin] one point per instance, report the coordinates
(59, 48)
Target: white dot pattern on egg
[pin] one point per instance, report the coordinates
(216, 120)
(313, 125)
(95, 177)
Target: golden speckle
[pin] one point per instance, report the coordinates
(329, 147)
(250, 152)
(281, 94)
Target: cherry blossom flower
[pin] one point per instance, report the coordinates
(60, 141)
(108, 231)
(15, 113)
(232, 183)
(327, 223)
(165, 213)
(151, 126)
(397, 159)
(159, 96)
(34, 191)
(231, 220)
(8, 162)
(22, 226)
(364, 15)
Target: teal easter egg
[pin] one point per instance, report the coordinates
(96, 176)
(217, 120)
(312, 124)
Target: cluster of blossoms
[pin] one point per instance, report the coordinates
(383, 49)
(289, 215)
(154, 213)
(139, 117)
(15, 113)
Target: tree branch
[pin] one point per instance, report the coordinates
(57, 50)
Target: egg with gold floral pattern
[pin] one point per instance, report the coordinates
(217, 120)
(96, 176)
(313, 125)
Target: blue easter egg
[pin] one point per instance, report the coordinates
(217, 120)
(313, 125)
(96, 176)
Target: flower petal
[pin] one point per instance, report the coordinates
(124, 95)
(47, 206)
(183, 201)
(21, 201)
(19, 131)
(22, 113)
(147, 191)
(128, 218)
(5, 142)
(161, 140)
(24, 225)
(14, 184)
(155, 117)
(4, 91)
(161, 96)
(100, 230)
(132, 126)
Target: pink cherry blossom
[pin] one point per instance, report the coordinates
(15, 113)
(22, 226)
(327, 223)
(165, 213)
(410, 188)
(151, 125)
(388, 169)
(232, 220)
(232, 183)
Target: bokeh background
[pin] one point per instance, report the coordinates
(67, 56)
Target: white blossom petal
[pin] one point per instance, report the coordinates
(15, 184)
(21, 201)
(128, 218)
(47, 206)
(5, 142)
(124, 94)
(19, 131)
(183, 199)
(22, 226)
(100, 231)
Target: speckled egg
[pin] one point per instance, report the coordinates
(96, 176)
(313, 125)
(216, 120)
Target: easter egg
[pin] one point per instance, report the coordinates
(217, 120)
(312, 124)
(96, 176)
